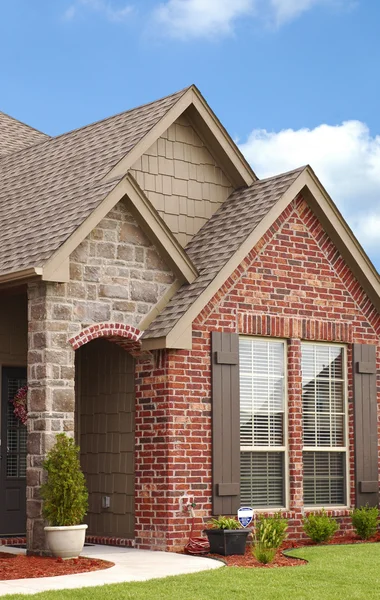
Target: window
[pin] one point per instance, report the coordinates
(262, 423)
(324, 424)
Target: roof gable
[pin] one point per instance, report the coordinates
(228, 237)
(182, 179)
(49, 190)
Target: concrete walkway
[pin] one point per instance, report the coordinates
(130, 565)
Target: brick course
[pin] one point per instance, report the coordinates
(293, 285)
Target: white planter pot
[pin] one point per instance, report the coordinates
(66, 542)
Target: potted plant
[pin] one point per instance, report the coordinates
(226, 536)
(65, 499)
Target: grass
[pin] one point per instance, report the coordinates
(334, 572)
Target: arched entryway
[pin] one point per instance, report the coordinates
(105, 431)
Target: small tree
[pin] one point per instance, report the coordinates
(65, 495)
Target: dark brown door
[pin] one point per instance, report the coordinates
(106, 403)
(13, 457)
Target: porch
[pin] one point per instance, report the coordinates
(85, 387)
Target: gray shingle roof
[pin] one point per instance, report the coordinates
(218, 240)
(48, 190)
(15, 135)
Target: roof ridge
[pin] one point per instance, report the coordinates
(25, 124)
(123, 112)
(298, 169)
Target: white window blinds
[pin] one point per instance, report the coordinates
(262, 418)
(324, 424)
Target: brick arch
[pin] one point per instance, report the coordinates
(126, 336)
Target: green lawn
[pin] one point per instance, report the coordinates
(333, 573)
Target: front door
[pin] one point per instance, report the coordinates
(12, 457)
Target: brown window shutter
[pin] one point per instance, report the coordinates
(365, 411)
(225, 422)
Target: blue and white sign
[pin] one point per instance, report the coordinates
(245, 515)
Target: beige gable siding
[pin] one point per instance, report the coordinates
(182, 180)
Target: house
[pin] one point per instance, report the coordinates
(204, 334)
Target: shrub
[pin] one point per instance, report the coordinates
(364, 520)
(225, 523)
(319, 526)
(262, 554)
(65, 496)
(271, 531)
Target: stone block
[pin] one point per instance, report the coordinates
(58, 340)
(63, 399)
(38, 399)
(34, 443)
(139, 255)
(92, 273)
(76, 271)
(132, 234)
(154, 261)
(124, 306)
(106, 250)
(113, 291)
(76, 290)
(38, 340)
(33, 477)
(33, 508)
(57, 357)
(125, 253)
(144, 292)
(98, 312)
(38, 311)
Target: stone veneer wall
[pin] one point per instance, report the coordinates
(292, 285)
(115, 275)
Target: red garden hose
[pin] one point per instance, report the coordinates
(196, 545)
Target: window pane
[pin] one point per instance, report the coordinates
(262, 479)
(261, 393)
(16, 435)
(323, 395)
(324, 476)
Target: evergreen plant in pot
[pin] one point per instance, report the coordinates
(65, 499)
(226, 536)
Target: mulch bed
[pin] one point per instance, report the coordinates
(248, 560)
(19, 566)
(281, 560)
(337, 540)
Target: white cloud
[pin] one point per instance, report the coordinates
(345, 157)
(204, 18)
(287, 10)
(103, 7)
(198, 18)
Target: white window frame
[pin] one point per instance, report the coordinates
(346, 448)
(285, 448)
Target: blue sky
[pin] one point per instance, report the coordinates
(294, 81)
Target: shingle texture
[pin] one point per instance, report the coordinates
(48, 190)
(16, 136)
(219, 239)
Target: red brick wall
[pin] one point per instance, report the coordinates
(293, 285)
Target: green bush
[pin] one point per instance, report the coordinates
(319, 526)
(225, 523)
(64, 495)
(271, 531)
(262, 554)
(364, 521)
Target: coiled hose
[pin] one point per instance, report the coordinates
(196, 545)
